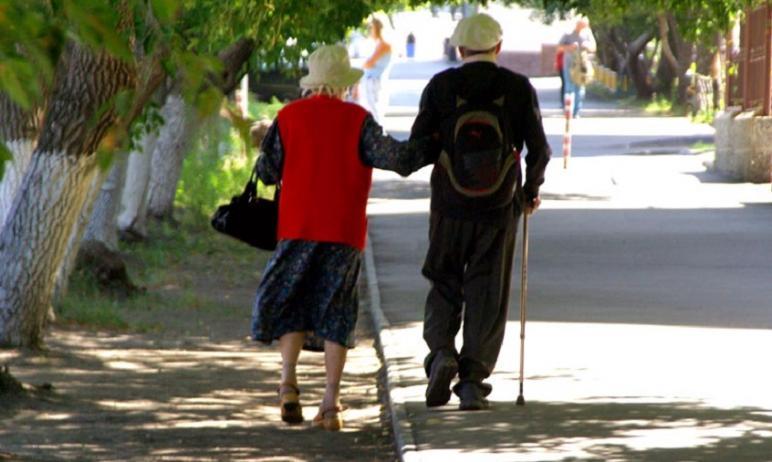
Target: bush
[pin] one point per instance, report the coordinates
(259, 110)
(219, 164)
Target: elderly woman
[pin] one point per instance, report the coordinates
(321, 150)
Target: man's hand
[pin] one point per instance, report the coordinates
(531, 206)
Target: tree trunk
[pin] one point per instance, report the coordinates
(55, 186)
(665, 76)
(182, 122)
(98, 252)
(73, 244)
(107, 268)
(132, 223)
(664, 36)
(637, 68)
(717, 71)
(21, 150)
(677, 53)
(609, 45)
(173, 143)
(102, 226)
(19, 130)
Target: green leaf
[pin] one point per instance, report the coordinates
(105, 158)
(123, 102)
(99, 28)
(165, 10)
(5, 156)
(10, 83)
(208, 101)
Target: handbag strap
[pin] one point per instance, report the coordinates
(252, 184)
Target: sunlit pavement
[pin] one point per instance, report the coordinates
(649, 310)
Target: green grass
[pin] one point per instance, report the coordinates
(701, 146)
(661, 106)
(84, 305)
(185, 271)
(187, 268)
(705, 117)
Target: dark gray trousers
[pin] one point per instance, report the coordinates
(469, 265)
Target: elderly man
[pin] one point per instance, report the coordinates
(581, 39)
(484, 115)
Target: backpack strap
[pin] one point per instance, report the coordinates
(444, 160)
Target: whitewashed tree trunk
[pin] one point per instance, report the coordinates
(181, 124)
(19, 130)
(102, 226)
(173, 143)
(37, 230)
(96, 223)
(70, 254)
(132, 218)
(35, 239)
(14, 172)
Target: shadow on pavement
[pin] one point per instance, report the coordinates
(670, 431)
(126, 398)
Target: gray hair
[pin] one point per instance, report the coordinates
(324, 90)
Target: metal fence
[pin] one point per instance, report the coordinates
(701, 95)
(611, 80)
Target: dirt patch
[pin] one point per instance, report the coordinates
(196, 388)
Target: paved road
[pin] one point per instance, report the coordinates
(632, 238)
(650, 305)
(598, 133)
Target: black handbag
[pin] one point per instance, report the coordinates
(249, 218)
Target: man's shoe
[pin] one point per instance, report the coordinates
(472, 396)
(444, 369)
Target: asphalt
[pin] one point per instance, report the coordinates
(649, 304)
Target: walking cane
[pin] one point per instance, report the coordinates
(523, 292)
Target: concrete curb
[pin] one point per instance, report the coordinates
(403, 431)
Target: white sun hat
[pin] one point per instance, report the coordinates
(329, 66)
(477, 32)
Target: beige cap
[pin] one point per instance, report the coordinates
(478, 32)
(329, 66)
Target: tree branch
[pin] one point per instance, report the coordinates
(233, 58)
(664, 30)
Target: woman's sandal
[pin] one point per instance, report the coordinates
(289, 402)
(329, 419)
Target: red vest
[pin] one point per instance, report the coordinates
(325, 185)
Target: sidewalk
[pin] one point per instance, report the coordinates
(649, 320)
(195, 388)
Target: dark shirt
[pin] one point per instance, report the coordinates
(477, 79)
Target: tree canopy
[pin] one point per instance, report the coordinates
(183, 37)
(697, 19)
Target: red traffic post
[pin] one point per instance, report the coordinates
(568, 109)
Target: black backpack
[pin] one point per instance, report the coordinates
(477, 155)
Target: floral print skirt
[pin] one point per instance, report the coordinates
(309, 287)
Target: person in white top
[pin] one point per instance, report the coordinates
(374, 68)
